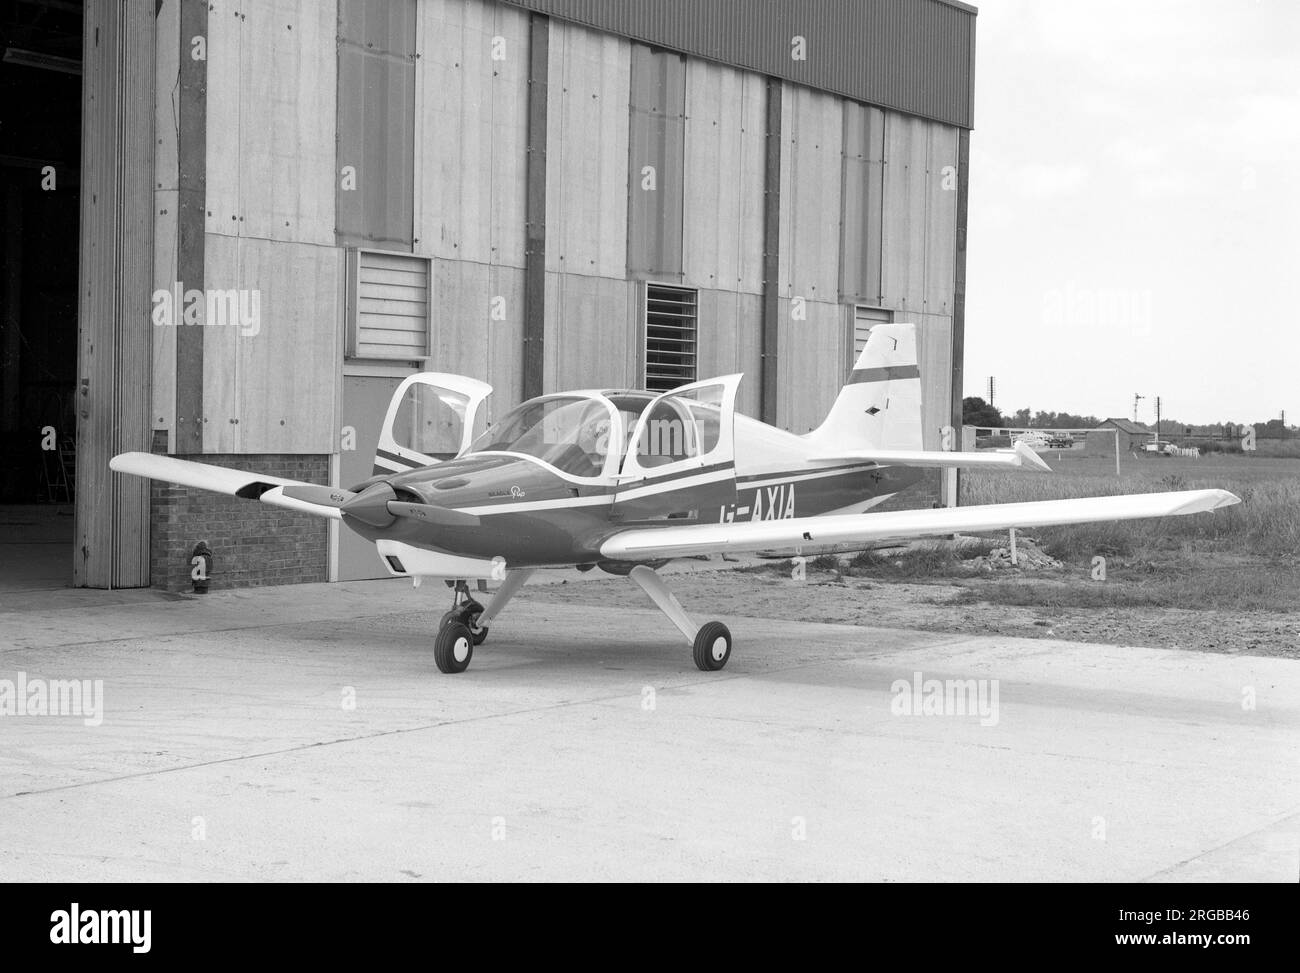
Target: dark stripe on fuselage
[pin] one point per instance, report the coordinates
(652, 480)
(401, 460)
(810, 472)
(887, 374)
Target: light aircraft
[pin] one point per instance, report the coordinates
(627, 480)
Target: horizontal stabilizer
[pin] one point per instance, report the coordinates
(796, 532)
(1020, 457)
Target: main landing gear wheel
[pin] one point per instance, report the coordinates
(453, 647)
(712, 646)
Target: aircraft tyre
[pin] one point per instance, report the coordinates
(480, 633)
(712, 646)
(453, 647)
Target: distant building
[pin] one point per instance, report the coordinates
(1131, 435)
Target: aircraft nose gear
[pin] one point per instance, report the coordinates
(467, 612)
(468, 620)
(710, 642)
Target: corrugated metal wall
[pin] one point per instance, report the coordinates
(270, 188)
(166, 200)
(916, 56)
(864, 189)
(116, 268)
(591, 306)
(471, 160)
(273, 391)
(811, 321)
(587, 153)
(722, 243)
(865, 212)
(471, 132)
(722, 248)
(920, 215)
(656, 140)
(376, 121)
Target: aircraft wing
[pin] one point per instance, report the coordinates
(276, 490)
(763, 535)
(1018, 457)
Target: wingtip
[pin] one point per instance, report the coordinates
(1028, 456)
(1226, 498)
(1201, 501)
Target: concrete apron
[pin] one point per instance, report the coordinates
(303, 733)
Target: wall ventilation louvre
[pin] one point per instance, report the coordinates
(670, 336)
(388, 306)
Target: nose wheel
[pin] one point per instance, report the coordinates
(466, 625)
(453, 647)
(467, 611)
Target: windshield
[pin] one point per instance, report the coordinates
(570, 433)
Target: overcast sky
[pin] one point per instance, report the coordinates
(1135, 208)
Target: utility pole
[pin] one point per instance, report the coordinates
(1157, 417)
(992, 385)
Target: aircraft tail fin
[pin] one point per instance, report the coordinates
(880, 406)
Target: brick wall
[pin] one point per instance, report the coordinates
(252, 543)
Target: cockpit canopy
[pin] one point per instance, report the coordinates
(577, 432)
(569, 432)
(436, 416)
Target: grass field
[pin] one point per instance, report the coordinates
(1241, 558)
(1266, 523)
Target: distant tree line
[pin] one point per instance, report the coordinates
(976, 412)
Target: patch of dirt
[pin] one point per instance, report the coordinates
(830, 597)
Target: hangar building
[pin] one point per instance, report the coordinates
(286, 206)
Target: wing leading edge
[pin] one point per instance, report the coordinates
(767, 535)
(377, 505)
(275, 490)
